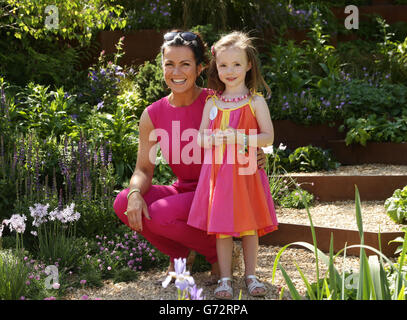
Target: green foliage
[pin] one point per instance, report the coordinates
(149, 82)
(48, 112)
(50, 63)
(310, 158)
(13, 275)
(208, 34)
(396, 206)
(77, 20)
(394, 53)
(375, 128)
(148, 14)
(163, 174)
(370, 95)
(125, 275)
(295, 199)
(371, 283)
(120, 130)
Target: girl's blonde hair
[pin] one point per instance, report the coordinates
(254, 80)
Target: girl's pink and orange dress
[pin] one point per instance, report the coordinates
(227, 202)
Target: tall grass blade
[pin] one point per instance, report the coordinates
(293, 291)
(307, 285)
(343, 275)
(376, 277)
(401, 295)
(314, 238)
(332, 275)
(399, 284)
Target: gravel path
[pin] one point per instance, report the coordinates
(332, 214)
(148, 286)
(342, 214)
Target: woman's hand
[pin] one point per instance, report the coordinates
(261, 158)
(136, 207)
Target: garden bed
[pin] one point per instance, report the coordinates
(338, 219)
(148, 286)
(339, 215)
(373, 152)
(295, 135)
(374, 181)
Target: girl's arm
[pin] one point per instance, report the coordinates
(266, 135)
(205, 139)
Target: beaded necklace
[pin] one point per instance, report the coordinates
(237, 99)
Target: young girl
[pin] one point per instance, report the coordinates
(233, 200)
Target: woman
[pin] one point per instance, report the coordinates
(160, 213)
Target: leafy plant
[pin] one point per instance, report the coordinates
(375, 128)
(149, 82)
(77, 19)
(13, 275)
(372, 283)
(295, 199)
(394, 52)
(148, 14)
(310, 158)
(396, 206)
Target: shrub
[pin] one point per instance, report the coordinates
(296, 198)
(149, 82)
(396, 206)
(375, 128)
(13, 275)
(309, 158)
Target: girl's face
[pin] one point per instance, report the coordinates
(232, 65)
(180, 69)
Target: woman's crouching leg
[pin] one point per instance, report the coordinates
(169, 219)
(167, 246)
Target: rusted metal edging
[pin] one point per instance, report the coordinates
(289, 233)
(339, 188)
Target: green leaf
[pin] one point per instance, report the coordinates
(293, 291)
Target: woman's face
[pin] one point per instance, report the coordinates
(180, 69)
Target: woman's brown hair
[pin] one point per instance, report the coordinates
(198, 46)
(254, 80)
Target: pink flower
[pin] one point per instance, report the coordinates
(56, 286)
(83, 282)
(84, 297)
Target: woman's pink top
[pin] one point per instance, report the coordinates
(177, 129)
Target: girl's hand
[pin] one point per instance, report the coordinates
(217, 138)
(136, 207)
(233, 136)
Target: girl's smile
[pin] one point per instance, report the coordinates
(232, 65)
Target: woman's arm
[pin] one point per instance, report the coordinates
(143, 174)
